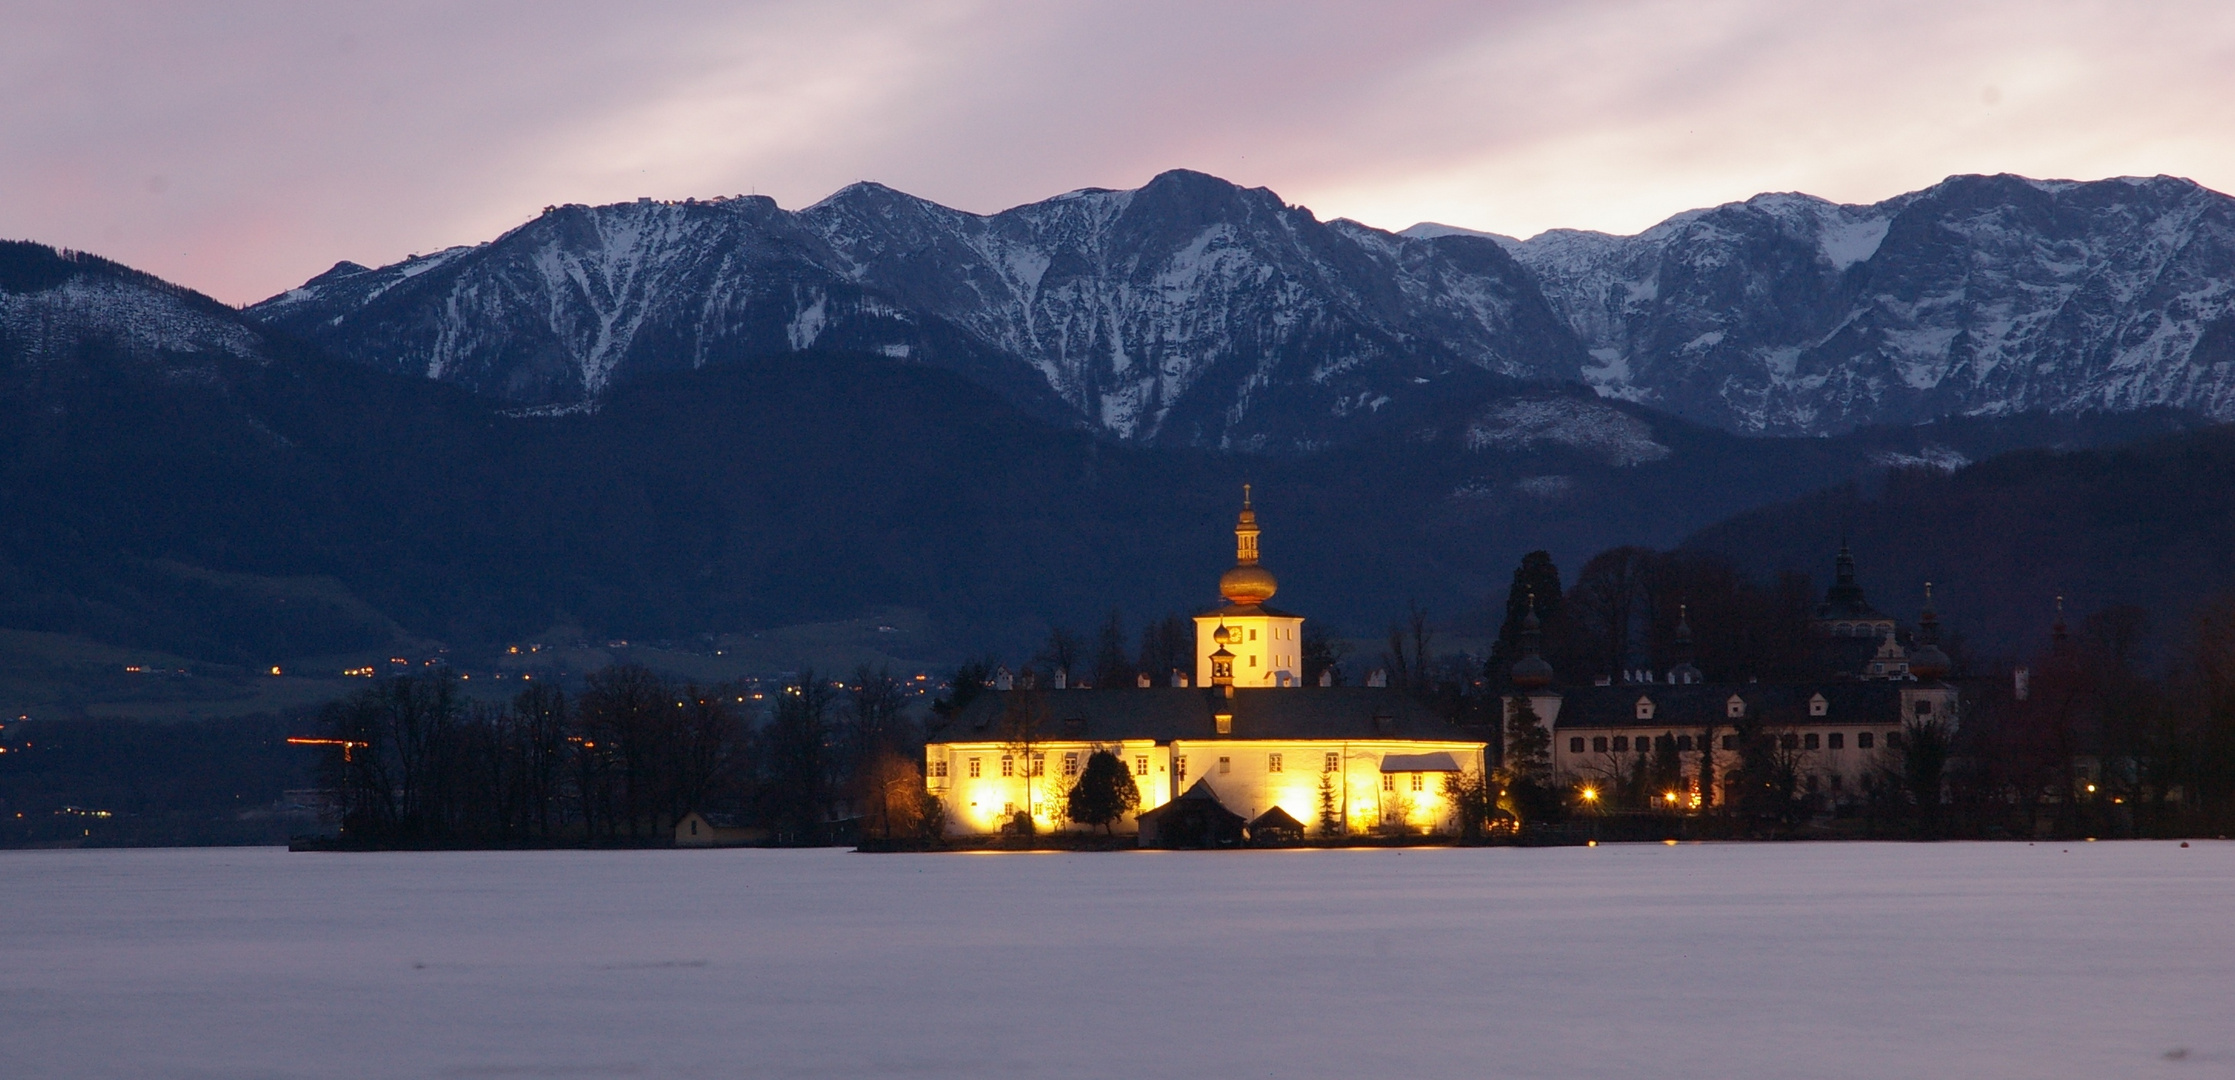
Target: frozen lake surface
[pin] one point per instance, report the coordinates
(1727, 961)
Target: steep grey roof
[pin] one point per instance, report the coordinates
(1695, 706)
(1167, 713)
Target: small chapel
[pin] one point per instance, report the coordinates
(1241, 748)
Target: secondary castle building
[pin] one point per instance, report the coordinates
(1241, 741)
(1836, 729)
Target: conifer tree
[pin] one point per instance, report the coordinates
(1330, 810)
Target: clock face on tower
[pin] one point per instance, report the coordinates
(1262, 646)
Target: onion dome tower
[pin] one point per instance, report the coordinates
(1256, 645)
(1531, 672)
(1929, 662)
(1247, 584)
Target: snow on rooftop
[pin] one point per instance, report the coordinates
(1722, 960)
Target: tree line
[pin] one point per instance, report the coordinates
(412, 761)
(2105, 730)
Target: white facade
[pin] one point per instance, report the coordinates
(982, 783)
(1267, 648)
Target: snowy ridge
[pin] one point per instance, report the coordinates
(1980, 295)
(1189, 310)
(1194, 311)
(1601, 430)
(147, 320)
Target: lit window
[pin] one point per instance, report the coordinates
(1272, 763)
(1008, 765)
(1598, 744)
(1334, 761)
(1575, 745)
(1225, 723)
(1389, 781)
(1226, 765)
(1837, 740)
(1140, 765)
(1416, 779)
(1810, 741)
(1621, 744)
(1071, 763)
(1864, 740)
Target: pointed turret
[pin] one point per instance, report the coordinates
(1929, 662)
(1531, 672)
(1682, 672)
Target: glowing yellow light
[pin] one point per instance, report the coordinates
(1671, 796)
(2091, 789)
(1590, 843)
(275, 669)
(1591, 795)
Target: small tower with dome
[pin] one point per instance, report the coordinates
(1264, 646)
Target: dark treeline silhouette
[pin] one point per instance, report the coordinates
(2087, 736)
(622, 761)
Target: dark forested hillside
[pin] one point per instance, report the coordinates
(2151, 524)
(174, 477)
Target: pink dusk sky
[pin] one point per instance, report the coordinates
(240, 148)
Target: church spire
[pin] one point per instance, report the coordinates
(1531, 672)
(1929, 661)
(1247, 583)
(1245, 533)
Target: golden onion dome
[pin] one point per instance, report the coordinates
(1247, 584)
(1222, 635)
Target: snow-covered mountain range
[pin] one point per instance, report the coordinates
(1191, 311)
(1187, 311)
(1982, 295)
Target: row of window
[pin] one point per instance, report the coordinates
(1622, 744)
(1389, 781)
(1273, 763)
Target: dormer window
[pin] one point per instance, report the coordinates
(1817, 706)
(1735, 707)
(1645, 708)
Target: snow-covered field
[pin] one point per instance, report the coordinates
(1728, 961)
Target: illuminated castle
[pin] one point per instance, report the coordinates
(1242, 747)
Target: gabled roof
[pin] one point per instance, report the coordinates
(1275, 818)
(1163, 714)
(1699, 704)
